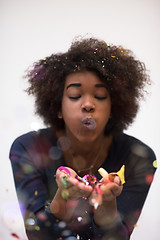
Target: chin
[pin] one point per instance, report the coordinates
(87, 139)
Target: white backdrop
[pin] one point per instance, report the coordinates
(33, 29)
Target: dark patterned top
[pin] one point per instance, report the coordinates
(35, 157)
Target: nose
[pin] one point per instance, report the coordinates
(88, 106)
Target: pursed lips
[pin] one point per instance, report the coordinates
(88, 123)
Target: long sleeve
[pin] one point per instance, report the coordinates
(34, 169)
(138, 159)
(30, 183)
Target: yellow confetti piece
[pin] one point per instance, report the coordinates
(135, 225)
(155, 163)
(120, 173)
(65, 194)
(36, 193)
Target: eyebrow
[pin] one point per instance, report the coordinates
(74, 85)
(98, 85)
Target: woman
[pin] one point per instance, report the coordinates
(87, 97)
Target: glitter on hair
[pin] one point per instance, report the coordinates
(124, 76)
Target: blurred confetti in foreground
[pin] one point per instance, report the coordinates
(155, 164)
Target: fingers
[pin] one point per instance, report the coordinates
(111, 190)
(78, 189)
(70, 186)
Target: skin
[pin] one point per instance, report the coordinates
(85, 96)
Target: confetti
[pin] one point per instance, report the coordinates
(90, 179)
(149, 179)
(42, 216)
(120, 173)
(62, 224)
(64, 169)
(55, 153)
(36, 193)
(103, 173)
(27, 168)
(79, 219)
(107, 176)
(37, 228)
(65, 194)
(64, 181)
(155, 163)
(65, 233)
(96, 197)
(15, 235)
(30, 221)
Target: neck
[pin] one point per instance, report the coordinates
(84, 157)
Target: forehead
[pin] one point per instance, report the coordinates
(83, 78)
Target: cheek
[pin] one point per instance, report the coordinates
(105, 109)
(105, 113)
(68, 110)
(65, 107)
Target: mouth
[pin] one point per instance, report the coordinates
(88, 123)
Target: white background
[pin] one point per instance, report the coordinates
(33, 29)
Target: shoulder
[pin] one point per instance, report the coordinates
(138, 158)
(133, 145)
(131, 152)
(33, 140)
(36, 135)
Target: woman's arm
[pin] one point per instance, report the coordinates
(31, 189)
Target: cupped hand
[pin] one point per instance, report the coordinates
(111, 187)
(72, 184)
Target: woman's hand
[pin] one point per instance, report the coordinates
(71, 184)
(106, 212)
(69, 191)
(111, 187)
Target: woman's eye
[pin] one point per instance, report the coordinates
(100, 98)
(74, 98)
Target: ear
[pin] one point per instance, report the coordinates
(60, 115)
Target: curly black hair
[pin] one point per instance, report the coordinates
(124, 76)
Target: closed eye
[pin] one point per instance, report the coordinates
(100, 98)
(74, 98)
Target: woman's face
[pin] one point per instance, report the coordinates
(86, 106)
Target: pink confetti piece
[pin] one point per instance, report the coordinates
(64, 169)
